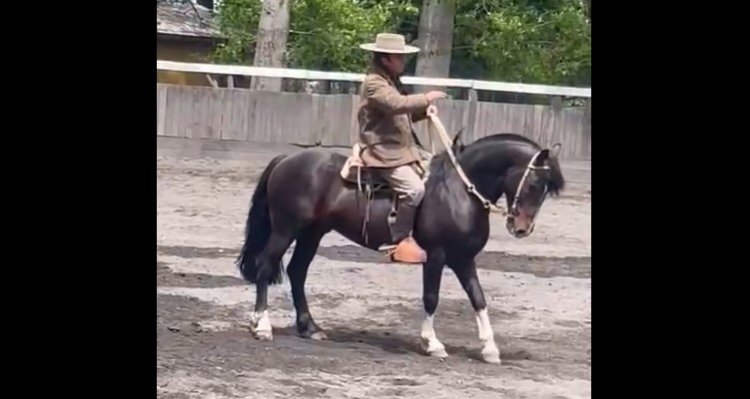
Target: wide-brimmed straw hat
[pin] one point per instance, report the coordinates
(390, 43)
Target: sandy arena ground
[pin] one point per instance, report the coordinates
(538, 290)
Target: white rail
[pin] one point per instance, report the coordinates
(217, 69)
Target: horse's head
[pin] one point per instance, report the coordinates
(507, 164)
(527, 186)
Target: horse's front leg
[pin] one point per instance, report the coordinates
(466, 271)
(432, 272)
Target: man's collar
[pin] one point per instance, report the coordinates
(380, 71)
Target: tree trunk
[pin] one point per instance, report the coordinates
(270, 47)
(435, 39)
(586, 5)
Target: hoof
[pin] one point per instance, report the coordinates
(315, 335)
(491, 356)
(260, 326)
(438, 353)
(434, 350)
(263, 335)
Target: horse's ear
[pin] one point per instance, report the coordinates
(457, 145)
(542, 157)
(555, 151)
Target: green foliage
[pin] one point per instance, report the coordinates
(238, 23)
(532, 41)
(545, 42)
(324, 34)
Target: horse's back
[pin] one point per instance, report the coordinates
(307, 173)
(312, 159)
(308, 187)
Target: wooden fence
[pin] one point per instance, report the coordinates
(196, 112)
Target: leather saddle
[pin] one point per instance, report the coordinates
(356, 172)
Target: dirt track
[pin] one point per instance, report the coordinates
(538, 289)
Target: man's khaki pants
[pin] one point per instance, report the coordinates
(408, 184)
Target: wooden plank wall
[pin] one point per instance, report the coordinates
(194, 112)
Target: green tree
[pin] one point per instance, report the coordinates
(546, 42)
(531, 41)
(324, 34)
(238, 23)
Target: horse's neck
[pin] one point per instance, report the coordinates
(487, 167)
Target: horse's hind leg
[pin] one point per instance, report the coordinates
(466, 271)
(269, 270)
(304, 252)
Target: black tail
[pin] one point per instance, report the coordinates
(258, 230)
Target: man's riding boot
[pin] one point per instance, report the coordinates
(407, 250)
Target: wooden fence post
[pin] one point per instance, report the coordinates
(473, 99)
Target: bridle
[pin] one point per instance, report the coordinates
(514, 207)
(513, 212)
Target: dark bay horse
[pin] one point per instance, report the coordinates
(302, 197)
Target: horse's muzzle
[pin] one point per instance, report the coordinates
(519, 228)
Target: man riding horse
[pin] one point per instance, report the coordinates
(385, 116)
(453, 204)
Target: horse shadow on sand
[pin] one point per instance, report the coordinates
(378, 341)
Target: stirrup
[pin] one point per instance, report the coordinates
(388, 252)
(408, 257)
(387, 248)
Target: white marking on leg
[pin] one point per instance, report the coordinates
(483, 323)
(490, 353)
(430, 343)
(261, 325)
